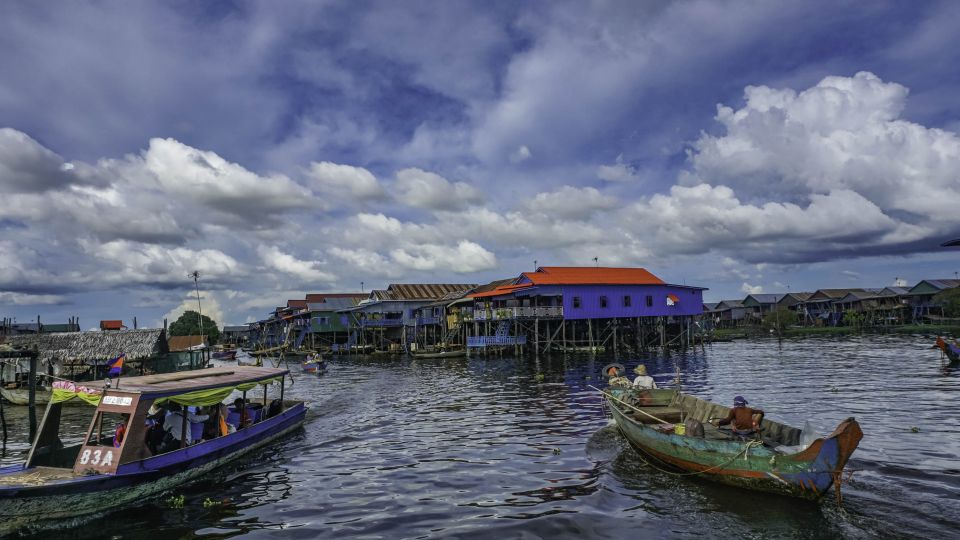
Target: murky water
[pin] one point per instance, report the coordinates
(520, 448)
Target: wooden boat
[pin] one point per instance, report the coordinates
(230, 354)
(950, 350)
(314, 365)
(772, 464)
(21, 395)
(454, 353)
(103, 473)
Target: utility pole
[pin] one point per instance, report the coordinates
(196, 277)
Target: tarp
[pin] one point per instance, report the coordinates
(212, 396)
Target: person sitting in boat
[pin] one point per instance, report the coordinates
(246, 419)
(745, 420)
(643, 381)
(173, 425)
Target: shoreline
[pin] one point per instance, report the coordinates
(760, 332)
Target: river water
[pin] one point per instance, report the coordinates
(500, 447)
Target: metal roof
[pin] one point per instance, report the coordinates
(585, 275)
(419, 291)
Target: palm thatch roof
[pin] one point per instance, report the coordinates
(80, 346)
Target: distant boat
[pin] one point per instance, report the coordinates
(113, 466)
(773, 464)
(454, 353)
(227, 354)
(20, 395)
(314, 365)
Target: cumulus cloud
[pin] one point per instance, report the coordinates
(618, 172)
(746, 288)
(339, 180)
(520, 154)
(424, 189)
(28, 167)
(465, 257)
(21, 299)
(571, 203)
(208, 305)
(306, 271)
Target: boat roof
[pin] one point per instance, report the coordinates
(165, 384)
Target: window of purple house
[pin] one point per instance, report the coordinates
(576, 301)
(627, 301)
(649, 301)
(603, 301)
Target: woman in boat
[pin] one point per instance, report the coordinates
(743, 418)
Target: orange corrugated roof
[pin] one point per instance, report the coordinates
(585, 275)
(504, 289)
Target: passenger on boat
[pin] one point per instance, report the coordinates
(247, 418)
(173, 425)
(643, 380)
(743, 418)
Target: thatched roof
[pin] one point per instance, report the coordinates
(79, 346)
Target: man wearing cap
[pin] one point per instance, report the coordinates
(643, 381)
(742, 418)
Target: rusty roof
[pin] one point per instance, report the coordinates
(111, 325)
(300, 304)
(419, 291)
(585, 275)
(503, 289)
(185, 343)
(319, 298)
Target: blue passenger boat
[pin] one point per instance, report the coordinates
(116, 465)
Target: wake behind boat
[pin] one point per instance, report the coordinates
(772, 463)
(116, 465)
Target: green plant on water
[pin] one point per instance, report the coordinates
(556, 451)
(176, 501)
(915, 429)
(208, 502)
(539, 377)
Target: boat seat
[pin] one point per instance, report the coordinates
(670, 415)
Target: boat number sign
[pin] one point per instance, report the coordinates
(122, 401)
(97, 458)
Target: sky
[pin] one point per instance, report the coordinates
(285, 148)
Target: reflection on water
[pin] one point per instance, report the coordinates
(481, 447)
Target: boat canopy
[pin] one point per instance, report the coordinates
(200, 388)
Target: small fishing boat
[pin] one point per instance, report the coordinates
(453, 353)
(950, 350)
(113, 465)
(775, 462)
(20, 395)
(314, 365)
(226, 354)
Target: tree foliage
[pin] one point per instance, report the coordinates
(189, 325)
(949, 300)
(779, 319)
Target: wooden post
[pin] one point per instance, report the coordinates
(243, 409)
(283, 383)
(563, 328)
(183, 425)
(33, 393)
(590, 333)
(615, 349)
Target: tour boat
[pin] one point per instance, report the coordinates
(113, 465)
(773, 462)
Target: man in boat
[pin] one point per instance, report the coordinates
(742, 418)
(173, 425)
(643, 381)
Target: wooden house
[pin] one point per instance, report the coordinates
(758, 305)
(820, 309)
(921, 298)
(729, 313)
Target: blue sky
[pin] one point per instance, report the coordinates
(286, 148)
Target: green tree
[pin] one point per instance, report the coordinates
(949, 300)
(189, 325)
(779, 319)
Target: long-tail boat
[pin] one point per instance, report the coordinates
(114, 465)
(773, 462)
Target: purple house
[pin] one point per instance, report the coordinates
(556, 301)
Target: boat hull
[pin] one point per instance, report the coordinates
(444, 354)
(25, 505)
(21, 396)
(808, 474)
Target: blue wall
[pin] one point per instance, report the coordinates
(691, 301)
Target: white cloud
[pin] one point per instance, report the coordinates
(522, 153)
(618, 172)
(423, 189)
(746, 288)
(307, 271)
(571, 203)
(22, 299)
(339, 180)
(464, 258)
